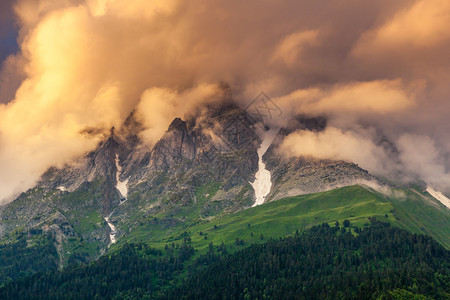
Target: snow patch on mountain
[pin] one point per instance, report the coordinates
(439, 196)
(263, 182)
(121, 185)
(113, 231)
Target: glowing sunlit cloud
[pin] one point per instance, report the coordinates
(335, 144)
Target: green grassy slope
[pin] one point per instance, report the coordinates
(413, 211)
(410, 209)
(418, 212)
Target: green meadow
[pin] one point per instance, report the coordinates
(414, 211)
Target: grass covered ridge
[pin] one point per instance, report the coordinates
(286, 216)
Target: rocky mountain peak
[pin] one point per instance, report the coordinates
(177, 124)
(202, 166)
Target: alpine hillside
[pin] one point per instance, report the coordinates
(202, 173)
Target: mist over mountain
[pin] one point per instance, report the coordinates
(378, 77)
(205, 166)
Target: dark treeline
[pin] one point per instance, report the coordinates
(321, 263)
(31, 253)
(328, 263)
(136, 271)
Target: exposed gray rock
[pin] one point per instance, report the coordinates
(203, 164)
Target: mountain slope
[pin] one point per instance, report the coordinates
(74, 201)
(198, 175)
(200, 168)
(283, 217)
(321, 263)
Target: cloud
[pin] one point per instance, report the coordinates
(368, 67)
(291, 48)
(420, 156)
(422, 27)
(370, 97)
(413, 43)
(160, 105)
(410, 158)
(336, 144)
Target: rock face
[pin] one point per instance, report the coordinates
(202, 166)
(305, 176)
(300, 175)
(192, 155)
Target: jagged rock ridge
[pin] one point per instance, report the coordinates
(201, 167)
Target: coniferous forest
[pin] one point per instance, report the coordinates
(328, 263)
(324, 262)
(21, 259)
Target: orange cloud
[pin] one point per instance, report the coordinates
(291, 48)
(378, 97)
(422, 26)
(335, 144)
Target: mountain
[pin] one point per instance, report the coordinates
(201, 172)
